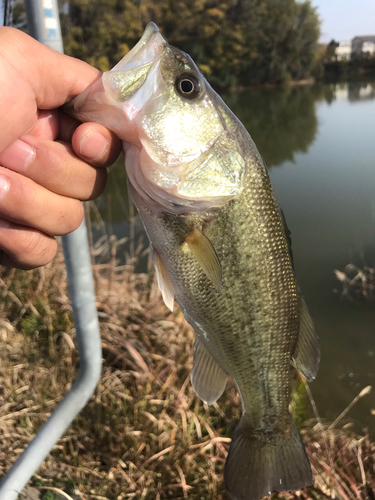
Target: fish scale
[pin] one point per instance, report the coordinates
(227, 315)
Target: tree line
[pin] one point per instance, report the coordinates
(234, 42)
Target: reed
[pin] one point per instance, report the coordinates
(357, 282)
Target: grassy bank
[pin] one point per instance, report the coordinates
(144, 434)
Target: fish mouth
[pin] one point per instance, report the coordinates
(116, 87)
(129, 75)
(149, 47)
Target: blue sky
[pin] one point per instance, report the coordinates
(345, 19)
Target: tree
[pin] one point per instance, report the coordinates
(330, 51)
(98, 32)
(211, 31)
(284, 42)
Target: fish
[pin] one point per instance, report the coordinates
(220, 247)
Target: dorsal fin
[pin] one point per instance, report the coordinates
(306, 355)
(164, 282)
(206, 256)
(207, 378)
(287, 235)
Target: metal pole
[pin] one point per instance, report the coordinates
(44, 22)
(7, 12)
(44, 25)
(81, 289)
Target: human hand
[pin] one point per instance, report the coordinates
(48, 160)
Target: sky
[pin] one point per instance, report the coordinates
(345, 19)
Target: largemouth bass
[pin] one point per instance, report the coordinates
(220, 247)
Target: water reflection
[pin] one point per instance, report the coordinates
(353, 92)
(281, 122)
(328, 199)
(361, 91)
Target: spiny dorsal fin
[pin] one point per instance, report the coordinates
(164, 283)
(205, 254)
(306, 354)
(207, 378)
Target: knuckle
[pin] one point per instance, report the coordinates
(34, 249)
(35, 244)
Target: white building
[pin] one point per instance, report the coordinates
(362, 44)
(368, 47)
(355, 48)
(344, 50)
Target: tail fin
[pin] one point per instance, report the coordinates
(259, 464)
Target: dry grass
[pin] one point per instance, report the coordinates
(144, 434)
(357, 282)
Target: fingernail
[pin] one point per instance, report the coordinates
(4, 186)
(17, 156)
(93, 145)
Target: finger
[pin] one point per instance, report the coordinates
(25, 202)
(47, 124)
(23, 247)
(54, 166)
(53, 124)
(67, 126)
(96, 144)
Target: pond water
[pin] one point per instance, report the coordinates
(319, 145)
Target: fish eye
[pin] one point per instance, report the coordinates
(188, 85)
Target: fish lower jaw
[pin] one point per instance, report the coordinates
(160, 200)
(160, 189)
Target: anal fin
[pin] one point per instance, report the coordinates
(207, 378)
(206, 256)
(306, 355)
(164, 282)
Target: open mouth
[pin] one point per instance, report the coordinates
(116, 87)
(149, 48)
(129, 75)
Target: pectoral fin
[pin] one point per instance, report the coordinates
(205, 254)
(164, 283)
(306, 354)
(207, 378)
